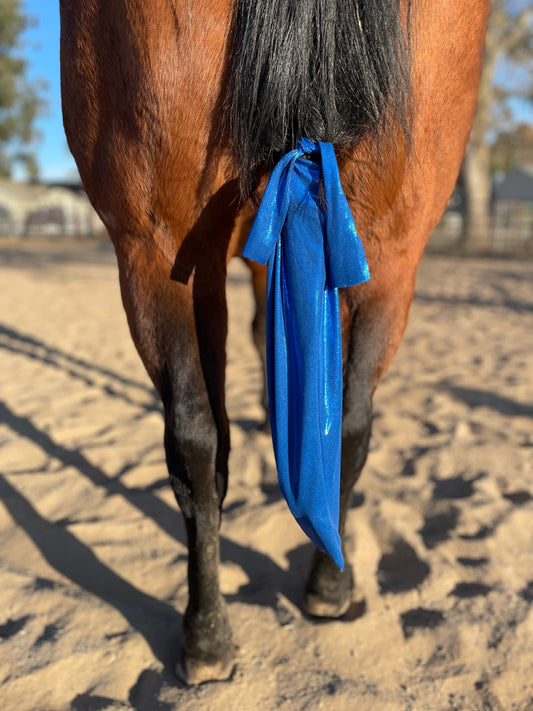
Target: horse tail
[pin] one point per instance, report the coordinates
(327, 70)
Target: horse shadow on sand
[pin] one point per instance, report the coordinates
(157, 621)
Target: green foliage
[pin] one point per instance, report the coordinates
(20, 100)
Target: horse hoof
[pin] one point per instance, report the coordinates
(194, 672)
(318, 607)
(350, 609)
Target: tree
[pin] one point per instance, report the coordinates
(511, 148)
(508, 47)
(20, 100)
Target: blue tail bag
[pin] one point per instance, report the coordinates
(305, 231)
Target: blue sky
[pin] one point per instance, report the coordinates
(41, 48)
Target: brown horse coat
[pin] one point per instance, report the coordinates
(144, 86)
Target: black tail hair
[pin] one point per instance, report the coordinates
(329, 70)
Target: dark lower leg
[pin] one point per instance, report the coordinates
(207, 640)
(194, 465)
(328, 589)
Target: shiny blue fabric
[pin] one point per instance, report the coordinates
(305, 231)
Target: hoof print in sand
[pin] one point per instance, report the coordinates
(50, 634)
(467, 590)
(12, 627)
(437, 526)
(527, 593)
(455, 488)
(482, 533)
(420, 618)
(401, 569)
(473, 562)
(518, 498)
(43, 584)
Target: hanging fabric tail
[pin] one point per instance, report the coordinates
(305, 231)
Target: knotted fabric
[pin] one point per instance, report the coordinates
(305, 231)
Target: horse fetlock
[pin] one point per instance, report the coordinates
(206, 633)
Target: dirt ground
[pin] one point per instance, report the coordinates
(93, 561)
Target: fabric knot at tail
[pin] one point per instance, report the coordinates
(305, 231)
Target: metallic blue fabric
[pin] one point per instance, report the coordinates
(305, 231)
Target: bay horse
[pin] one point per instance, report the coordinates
(176, 111)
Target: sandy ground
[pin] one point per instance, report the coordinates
(93, 562)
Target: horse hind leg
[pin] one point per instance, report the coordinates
(372, 331)
(180, 331)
